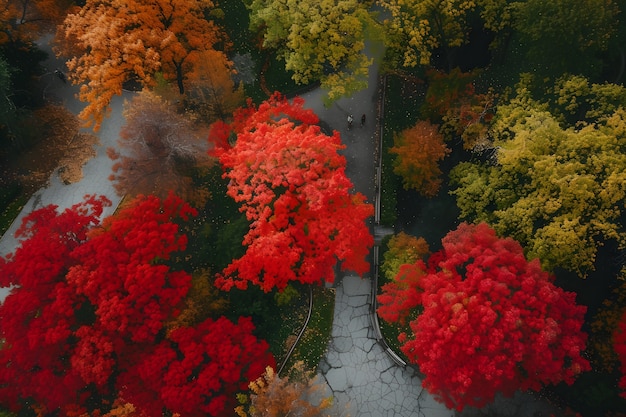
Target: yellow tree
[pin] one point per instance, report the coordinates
(318, 40)
(117, 41)
(419, 27)
(560, 191)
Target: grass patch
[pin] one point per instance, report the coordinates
(314, 342)
(401, 112)
(11, 210)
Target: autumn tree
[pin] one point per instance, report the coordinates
(323, 40)
(556, 190)
(419, 150)
(402, 248)
(490, 322)
(113, 42)
(65, 147)
(197, 370)
(211, 92)
(417, 28)
(298, 393)
(158, 151)
(85, 321)
(291, 183)
(40, 307)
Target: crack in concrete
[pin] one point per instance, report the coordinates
(359, 372)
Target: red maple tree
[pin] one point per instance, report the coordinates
(37, 316)
(492, 321)
(619, 339)
(291, 182)
(89, 311)
(197, 371)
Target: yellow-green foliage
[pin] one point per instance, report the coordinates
(560, 192)
(318, 40)
(420, 27)
(402, 249)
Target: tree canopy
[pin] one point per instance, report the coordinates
(112, 42)
(158, 151)
(419, 27)
(558, 191)
(85, 321)
(291, 182)
(321, 40)
(490, 320)
(419, 150)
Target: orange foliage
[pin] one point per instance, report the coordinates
(297, 394)
(131, 41)
(211, 93)
(418, 150)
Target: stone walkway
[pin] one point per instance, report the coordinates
(361, 375)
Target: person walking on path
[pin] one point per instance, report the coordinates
(363, 120)
(350, 119)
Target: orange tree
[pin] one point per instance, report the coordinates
(113, 42)
(491, 321)
(291, 182)
(418, 151)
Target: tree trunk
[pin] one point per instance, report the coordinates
(179, 77)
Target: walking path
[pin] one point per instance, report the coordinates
(95, 172)
(363, 378)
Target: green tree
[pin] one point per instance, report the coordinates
(566, 33)
(559, 191)
(321, 40)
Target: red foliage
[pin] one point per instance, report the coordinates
(403, 294)
(245, 119)
(492, 322)
(37, 317)
(292, 185)
(198, 370)
(619, 338)
(89, 309)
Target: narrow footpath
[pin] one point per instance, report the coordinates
(363, 378)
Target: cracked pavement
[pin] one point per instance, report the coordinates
(362, 377)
